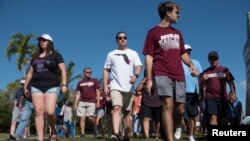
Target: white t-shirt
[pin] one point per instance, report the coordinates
(68, 113)
(122, 64)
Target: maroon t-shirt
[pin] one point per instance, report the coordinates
(87, 88)
(216, 82)
(166, 45)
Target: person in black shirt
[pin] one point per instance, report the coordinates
(45, 72)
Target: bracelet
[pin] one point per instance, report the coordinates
(147, 79)
(64, 85)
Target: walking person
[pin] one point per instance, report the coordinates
(59, 116)
(234, 111)
(87, 99)
(68, 123)
(136, 115)
(47, 77)
(99, 114)
(25, 117)
(17, 109)
(213, 83)
(150, 109)
(124, 66)
(164, 52)
(192, 97)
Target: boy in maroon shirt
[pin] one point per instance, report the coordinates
(164, 51)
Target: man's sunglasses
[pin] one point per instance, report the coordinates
(214, 58)
(120, 38)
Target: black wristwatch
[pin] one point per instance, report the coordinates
(136, 75)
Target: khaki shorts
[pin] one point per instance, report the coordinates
(85, 109)
(123, 99)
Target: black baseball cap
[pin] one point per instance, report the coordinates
(213, 55)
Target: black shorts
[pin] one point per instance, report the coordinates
(151, 112)
(192, 101)
(216, 107)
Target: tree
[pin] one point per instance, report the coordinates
(19, 45)
(70, 68)
(7, 103)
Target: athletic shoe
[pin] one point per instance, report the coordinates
(96, 132)
(82, 136)
(191, 138)
(177, 133)
(14, 137)
(126, 138)
(114, 137)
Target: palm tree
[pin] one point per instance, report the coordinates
(19, 46)
(69, 69)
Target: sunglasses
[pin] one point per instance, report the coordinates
(120, 38)
(213, 58)
(88, 72)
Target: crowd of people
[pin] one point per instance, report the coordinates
(175, 94)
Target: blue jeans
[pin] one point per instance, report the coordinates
(27, 111)
(71, 128)
(60, 130)
(137, 124)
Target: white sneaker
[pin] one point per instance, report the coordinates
(177, 133)
(191, 138)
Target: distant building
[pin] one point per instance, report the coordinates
(246, 54)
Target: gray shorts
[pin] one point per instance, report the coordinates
(16, 114)
(165, 86)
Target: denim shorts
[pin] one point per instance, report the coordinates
(53, 90)
(99, 112)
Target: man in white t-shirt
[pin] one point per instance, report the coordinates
(123, 65)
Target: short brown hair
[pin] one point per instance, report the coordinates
(166, 6)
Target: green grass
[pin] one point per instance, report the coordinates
(89, 137)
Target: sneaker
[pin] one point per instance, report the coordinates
(126, 138)
(14, 137)
(177, 133)
(157, 138)
(191, 138)
(82, 136)
(114, 137)
(96, 132)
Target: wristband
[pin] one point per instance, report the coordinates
(64, 85)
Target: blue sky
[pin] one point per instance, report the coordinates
(84, 30)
